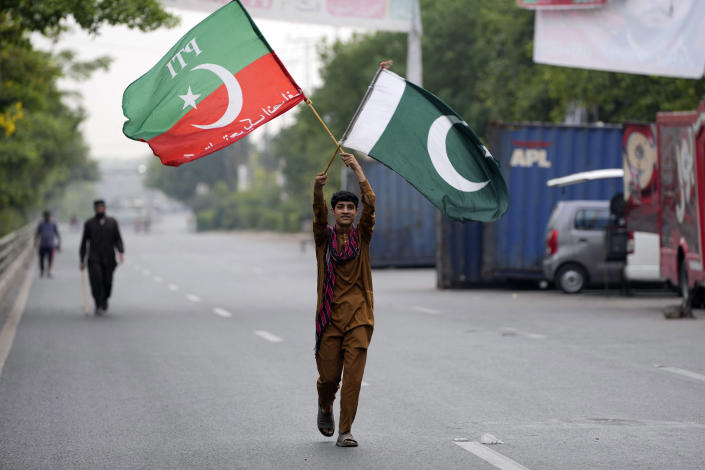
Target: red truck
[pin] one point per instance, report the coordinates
(680, 193)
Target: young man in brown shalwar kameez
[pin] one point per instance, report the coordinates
(344, 318)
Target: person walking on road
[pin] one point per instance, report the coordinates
(48, 240)
(344, 310)
(101, 237)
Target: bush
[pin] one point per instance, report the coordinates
(259, 208)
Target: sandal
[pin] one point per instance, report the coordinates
(346, 440)
(326, 422)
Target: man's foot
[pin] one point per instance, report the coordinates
(41, 273)
(49, 275)
(99, 311)
(105, 305)
(346, 439)
(326, 422)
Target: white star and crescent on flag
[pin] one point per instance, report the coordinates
(189, 99)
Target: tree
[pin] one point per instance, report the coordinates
(348, 68)
(41, 146)
(182, 182)
(49, 17)
(478, 59)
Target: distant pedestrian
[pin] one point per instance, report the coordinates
(75, 226)
(48, 240)
(101, 237)
(344, 317)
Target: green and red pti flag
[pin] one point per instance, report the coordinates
(217, 84)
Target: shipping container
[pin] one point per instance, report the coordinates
(530, 154)
(405, 222)
(459, 262)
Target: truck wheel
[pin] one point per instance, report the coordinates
(685, 291)
(571, 278)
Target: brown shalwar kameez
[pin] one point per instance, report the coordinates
(345, 340)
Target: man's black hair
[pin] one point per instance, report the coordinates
(343, 196)
(46, 213)
(98, 202)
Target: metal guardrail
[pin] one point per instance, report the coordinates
(13, 244)
(15, 248)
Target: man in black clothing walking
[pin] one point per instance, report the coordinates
(101, 236)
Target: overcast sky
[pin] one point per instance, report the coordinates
(134, 53)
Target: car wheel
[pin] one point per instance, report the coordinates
(685, 291)
(571, 278)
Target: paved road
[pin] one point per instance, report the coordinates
(205, 361)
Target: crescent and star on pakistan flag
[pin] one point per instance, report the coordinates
(436, 141)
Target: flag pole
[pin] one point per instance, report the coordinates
(330, 134)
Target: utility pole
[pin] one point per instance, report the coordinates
(414, 63)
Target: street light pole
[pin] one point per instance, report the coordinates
(414, 63)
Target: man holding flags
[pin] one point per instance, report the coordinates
(344, 313)
(222, 80)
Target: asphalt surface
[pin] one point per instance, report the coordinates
(205, 360)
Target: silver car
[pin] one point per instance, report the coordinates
(575, 246)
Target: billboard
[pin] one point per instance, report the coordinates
(559, 4)
(385, 15)
(651, 37)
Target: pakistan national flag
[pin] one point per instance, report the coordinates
(420, 137)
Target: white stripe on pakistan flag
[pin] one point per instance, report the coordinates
(376, 113)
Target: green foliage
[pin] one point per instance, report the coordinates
(48, 17)
(43, 149)
(41, 146)
(305, 147)
(477, 57)
(259, 207)
(181, 182)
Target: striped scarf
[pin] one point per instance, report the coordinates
(333, 257)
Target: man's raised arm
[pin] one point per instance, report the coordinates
(320, 212)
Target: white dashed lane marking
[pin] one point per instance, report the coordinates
(490, 456)
(173, 287)
(514, 332)
(158, 279)
(430, 311)
(266, 335)
(683, 372)
(193, 298)
(532, 335)
(146, 272)
(365, 384)
(221, 312)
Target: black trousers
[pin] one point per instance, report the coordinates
(48, 253)
(101, 276)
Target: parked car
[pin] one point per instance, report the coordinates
(575, 246)
(643, 258)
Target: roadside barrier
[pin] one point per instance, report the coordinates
(16, 249)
